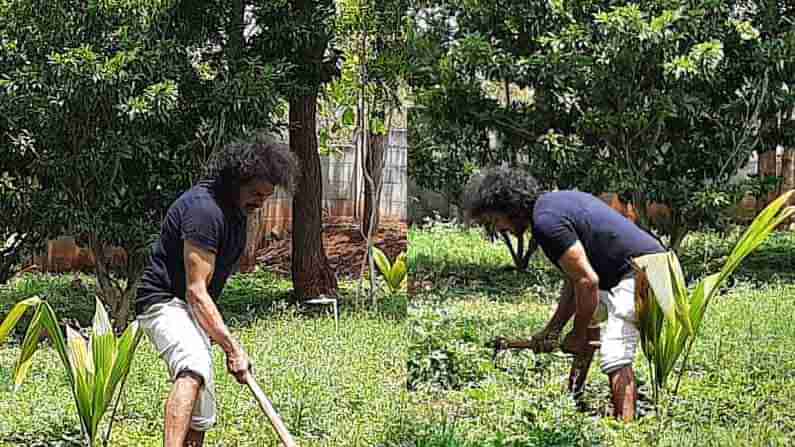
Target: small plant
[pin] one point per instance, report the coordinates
(95, 368)
(396, 275)
(669, 315)
(446, 352)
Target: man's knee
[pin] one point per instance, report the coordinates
(619, 342)
(622, 374)
(612, 366)
(202, 423)
(189, 379)
(194, 438)
(203, 416)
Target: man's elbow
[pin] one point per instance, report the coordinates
(194, 294)
(588, 282)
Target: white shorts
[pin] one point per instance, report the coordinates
(184, 346)
(619, 334)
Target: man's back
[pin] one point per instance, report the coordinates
(610, 240)
(199, 217)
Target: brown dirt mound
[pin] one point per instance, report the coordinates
(344, 244)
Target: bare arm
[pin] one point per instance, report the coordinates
(199, 268)
(566, 308)
(585, 281)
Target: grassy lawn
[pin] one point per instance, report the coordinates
(332, 389)
(739, 387)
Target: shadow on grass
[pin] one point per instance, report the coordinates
(500, 283)
(249, 297)
(450, 434)
(768, 263)
(773, 260)
(458, 269)
(52, 434)
(246, 298)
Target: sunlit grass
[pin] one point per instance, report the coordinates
(343, 388)
(738, 388)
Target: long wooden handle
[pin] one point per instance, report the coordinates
(274, 417)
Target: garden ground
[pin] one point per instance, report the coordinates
(738, 389)
(349, 389)
(332, 389)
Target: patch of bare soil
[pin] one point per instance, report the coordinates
(345, 247)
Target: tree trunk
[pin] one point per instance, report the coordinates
(678, 230)
(235, 30)
(374, 166)
(311, 272)
(768, 166)
(113, 294)
(641, 208)
(523, 252)
(10, 258)
(255, 231)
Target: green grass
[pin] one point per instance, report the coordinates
(332, 389)
(737, 390)
(349, 389)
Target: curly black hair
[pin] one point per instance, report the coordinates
(503, 190)
(263, 157)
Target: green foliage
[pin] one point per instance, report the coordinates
(113, 109)
(670, 318)
(396, 275)
(445, 353)
(374, 65)
(95, 368)
(734, 392)
(21, 228)
(332, 387)
(658, 101)
(478, 77)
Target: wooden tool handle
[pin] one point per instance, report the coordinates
(274, 417)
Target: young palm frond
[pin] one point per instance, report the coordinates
(396, 274)
(95, 368)
(670, 316)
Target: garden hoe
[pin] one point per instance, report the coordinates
(579, 366)
(274, 417)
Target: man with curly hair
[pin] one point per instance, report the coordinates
(202, 239)
(593, 245)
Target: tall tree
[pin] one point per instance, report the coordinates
(301, 33)
(481, 99)
(676, 98)
(372, 76)
(661, 100)
(122, 103)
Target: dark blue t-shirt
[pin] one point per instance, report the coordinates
(610, 240)
(196, 216)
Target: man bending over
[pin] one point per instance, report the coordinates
(592, 244)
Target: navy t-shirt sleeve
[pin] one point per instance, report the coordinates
(202, 224)
(554, 234)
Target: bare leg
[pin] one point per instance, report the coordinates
(179, 407)
(581, 365)
(194, 438)
(622, 385)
